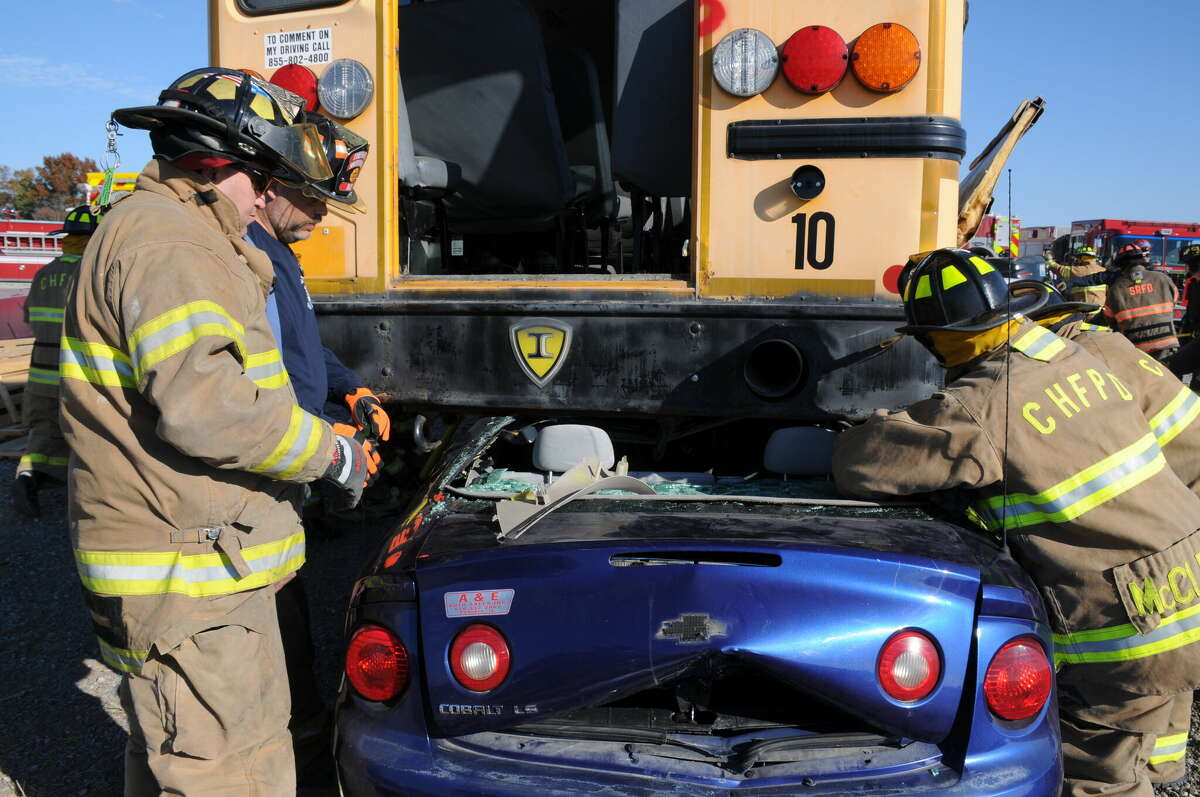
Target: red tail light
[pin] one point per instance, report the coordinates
(300, 80)
(909, 666)
(479, 658)
(1018, 680)
(814, 59)
(377, 663)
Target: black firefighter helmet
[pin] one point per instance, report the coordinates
(953, 289)
(79, 221)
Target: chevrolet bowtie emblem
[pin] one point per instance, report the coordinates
(541, 346)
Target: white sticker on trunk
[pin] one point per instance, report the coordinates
(479, 602)
(307, 46)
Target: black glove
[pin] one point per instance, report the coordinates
(355, 464)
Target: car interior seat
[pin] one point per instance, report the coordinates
(561, 447)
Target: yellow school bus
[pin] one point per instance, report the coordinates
(668, 209)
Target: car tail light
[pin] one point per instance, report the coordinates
(909, 666)
(377, 663)
(298, 79)
(479, 658)
(814, 59)
(1018, 680)
(745, 62)
(886, 57)
(345, 88)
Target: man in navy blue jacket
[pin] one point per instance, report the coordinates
(318, 376)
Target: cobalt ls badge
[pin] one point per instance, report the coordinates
(541, 346)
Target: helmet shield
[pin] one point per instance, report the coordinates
(345, 152)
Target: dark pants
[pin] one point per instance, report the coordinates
(1186, 360)
(296, 632)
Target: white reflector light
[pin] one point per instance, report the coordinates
(478, 661)
(745, 62)
(345, 88)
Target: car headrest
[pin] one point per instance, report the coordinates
(800, 451)
(560, 448)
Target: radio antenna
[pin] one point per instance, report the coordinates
(1007, 377)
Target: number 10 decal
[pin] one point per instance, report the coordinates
(808, 234)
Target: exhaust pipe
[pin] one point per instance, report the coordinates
(774, 368)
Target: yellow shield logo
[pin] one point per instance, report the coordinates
(541, 346)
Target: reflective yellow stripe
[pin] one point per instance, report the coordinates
(50, 315)
(121, 659)
(198, 575)
(1125, 643)
(981, 265)
(1179, 413)
(42, 459)
(177, 330)
(95, 363)
(1080, 493)
(297, 447)
(267, 369)
(43, 376)
(951, 276)
(1040, 344)
(924, 289)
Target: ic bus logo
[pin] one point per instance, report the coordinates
(541, 346)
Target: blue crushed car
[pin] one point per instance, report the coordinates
(549, 620)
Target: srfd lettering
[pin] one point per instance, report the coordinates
(1078, 393)
(1138, 290)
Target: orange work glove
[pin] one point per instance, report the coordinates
(368, 413)
(355, 463)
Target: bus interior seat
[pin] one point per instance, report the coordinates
(480, 96)
(561, 447)
(800, 451)
(420, 175)
(652, 112)
(581, 118)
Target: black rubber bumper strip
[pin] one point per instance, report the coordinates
(858, 137)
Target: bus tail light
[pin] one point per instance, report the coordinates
(886, 57)
(745, 62)
(298, 79)
(814, 59)
(345, 88)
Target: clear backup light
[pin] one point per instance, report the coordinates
(345, 88)
(480, 658)
(1018, 679)
(909, 666)
(745, 62)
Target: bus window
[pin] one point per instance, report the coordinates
(527, 130)
(256, 8)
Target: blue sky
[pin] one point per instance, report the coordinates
(1121, 81)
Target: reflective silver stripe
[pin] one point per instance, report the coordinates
(1037, 343)
(1189, 406)
(1124, 643)
(297, 449)
(269, 372)
(1042, 508)
(43, 376)
(180, 328)
(92, 365)
(121, 659)
(49, 315)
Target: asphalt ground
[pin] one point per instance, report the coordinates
(62, 730)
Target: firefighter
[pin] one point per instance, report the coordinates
(189, 452)
(46, 454)
(317, 376)
(1187, 360)
(1141, 302)
(1173, 412)
(1102, 532)
(1083, 264)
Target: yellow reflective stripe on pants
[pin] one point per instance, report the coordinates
(121, 659)
(42, 459)
(266, 369)
(1078, 494)
(1169, 748)
(296, 448)
(95, 363)
(179, 329)
(197, 575)
(1124, 643)
(1179, 413)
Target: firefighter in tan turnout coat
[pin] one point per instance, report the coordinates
(1141, 302)
(47, 453)
(1107, 531)
(189, 450)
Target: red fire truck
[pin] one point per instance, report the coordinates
(1167, 239)
(25, 246)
